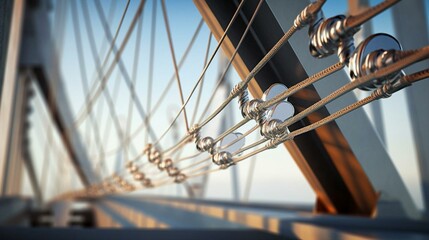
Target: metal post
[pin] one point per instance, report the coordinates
(61, 213)
(9, 82)
(228, 120)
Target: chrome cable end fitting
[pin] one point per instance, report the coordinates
(373, 54)
(237, 89)
(225, 166)
(273, 143)
(133, 169)
(331, 35)
(383, 91)
(173, 171)
(202, 144)
(165, 164)
(205, 144)
(195, 129)
(147, 149)
(180, 178)
(252, 110)
(129, 164)
(308, 14)
(271, 129)
(147, 183)
(222, 158)
(243, 99)
(139, 176)
(155, 157)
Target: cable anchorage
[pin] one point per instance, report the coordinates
(373, 54)
(250, 109)
(155, 157)
(335, 34)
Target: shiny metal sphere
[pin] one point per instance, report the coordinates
(138, 176)
(155, 157)
(180, 178)
(147, 182)
(222, 158)
(173, 171)
(167, 163)
(205, 144)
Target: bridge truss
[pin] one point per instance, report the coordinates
(306, 99)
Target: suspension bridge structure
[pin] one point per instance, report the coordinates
(301, 77)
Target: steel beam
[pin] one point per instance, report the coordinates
(28, 163)
(13, 210)
(411, 29)
(295, 222)
(5, 24)
(12, 16)
(111, 234)
(61, 213)
(38, 53)
(13, 168)
(16, 98)
(342, 168)
(165, 215)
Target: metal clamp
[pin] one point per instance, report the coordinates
(331, 35)
(376, 52)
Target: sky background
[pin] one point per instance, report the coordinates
(276, 176)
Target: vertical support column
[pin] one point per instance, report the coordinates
(13, 166)
(228, 120)
(5, 20)
(412, 31)
(61, 213)
(9, 79)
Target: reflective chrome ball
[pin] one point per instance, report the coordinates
(133, 169)
(205, 144)
(172, 171)
(167, 163)
(129, 164)
(147, 182)
(138, 176)
(180, 178)
(155, 157)
(222, 158)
